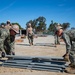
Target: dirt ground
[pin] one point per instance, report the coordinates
(23, 49)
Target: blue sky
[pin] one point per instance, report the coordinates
(21, 11)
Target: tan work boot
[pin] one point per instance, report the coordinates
(70, 70)
(66, 57)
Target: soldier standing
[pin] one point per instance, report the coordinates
(30, 34)
(57, 38)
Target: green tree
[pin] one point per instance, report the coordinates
(72, 27)
(38, 24)
(41, 25)
(30, 21)
(65, 25)
(34, 23)
(51, 27)
(3, 23)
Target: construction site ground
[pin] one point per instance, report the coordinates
(22, 48)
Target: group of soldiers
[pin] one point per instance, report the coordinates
(7, 38)
(69, 38)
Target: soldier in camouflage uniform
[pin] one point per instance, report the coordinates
(57, 38)
(6, 46)
(69, 39)
(8, 25)
(30, 34)
(4, 37)
(7, 39)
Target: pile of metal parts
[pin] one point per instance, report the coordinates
(55, 64)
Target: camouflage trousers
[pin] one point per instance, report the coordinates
(4, 38)
(57, 39)
(9, 47)
(30, 38)
(72, 55)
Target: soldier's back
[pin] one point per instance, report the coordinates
(70, 33)
(4, 32)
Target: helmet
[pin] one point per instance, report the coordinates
(15, 28)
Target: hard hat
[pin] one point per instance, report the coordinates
(15, 28)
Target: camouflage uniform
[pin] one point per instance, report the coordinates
(71, 68)
(30, 34)
(57, 39)
(4, 40)
(69, 38)
(10, 50)
(72, 55)
(30, 38)
(7, 42)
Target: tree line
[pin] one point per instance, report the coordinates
(39, 24)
